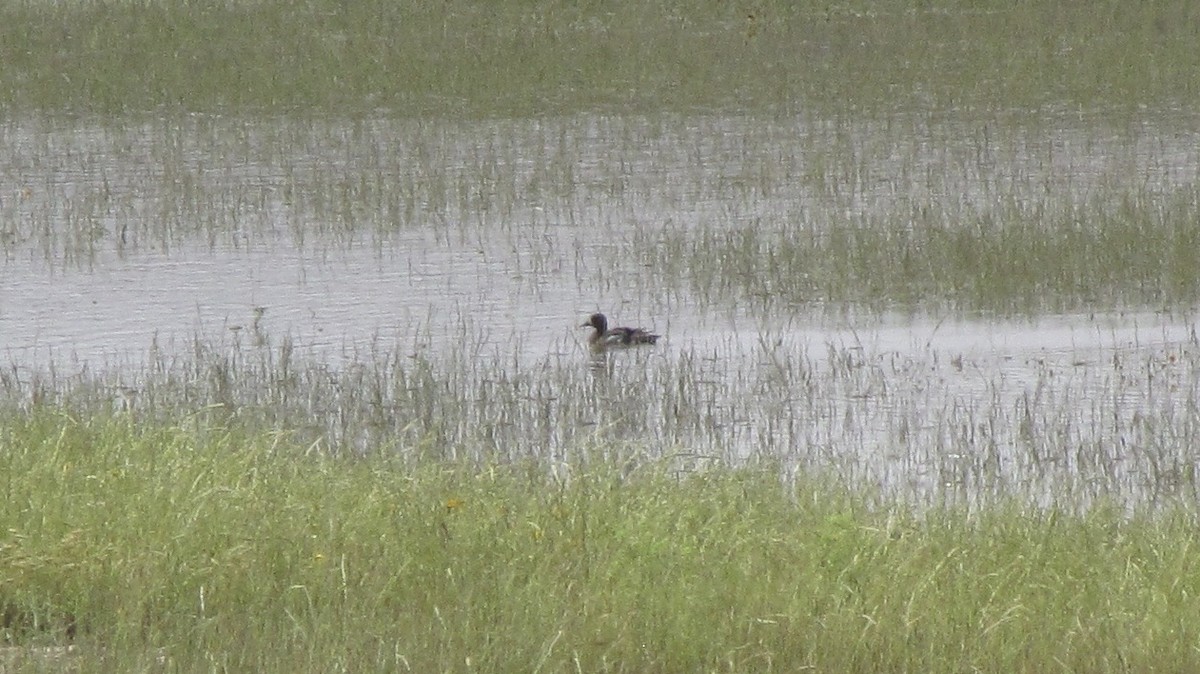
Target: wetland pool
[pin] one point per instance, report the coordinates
(137, 255)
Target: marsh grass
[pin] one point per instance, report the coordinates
(1019, 258)
(1065, 430)
(245, 506)
(978, 214)
(504, 58)
(162, 547)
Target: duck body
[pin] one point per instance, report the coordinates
(604, 337)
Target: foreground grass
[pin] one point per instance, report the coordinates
(490, 58)
(194, 549)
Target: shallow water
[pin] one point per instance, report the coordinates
(499, 237)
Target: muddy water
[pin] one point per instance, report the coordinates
(505, 234)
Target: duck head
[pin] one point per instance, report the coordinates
(597, 321)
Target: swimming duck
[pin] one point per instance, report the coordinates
(605, 337)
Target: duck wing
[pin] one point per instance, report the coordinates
(631, 336)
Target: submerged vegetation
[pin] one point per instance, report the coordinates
(1110, 424)
(164, 549)
(910, 213)
(1010, 260)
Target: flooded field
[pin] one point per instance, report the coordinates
(388, 282)
(293, 378)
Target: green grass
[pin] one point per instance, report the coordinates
(550, 55)
(254, 512)
(1113, 422)
(916, 213)
(1017, 258)
(206, 549)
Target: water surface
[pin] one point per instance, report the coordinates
(493, 240)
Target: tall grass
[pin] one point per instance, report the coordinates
(242, 507)
(1070, 429)
(1015, 258)
(975, 214)
(520, 57)
(156, 547)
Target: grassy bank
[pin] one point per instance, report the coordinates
(533, 57)
(157, 547)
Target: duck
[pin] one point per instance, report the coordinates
(604, 337)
